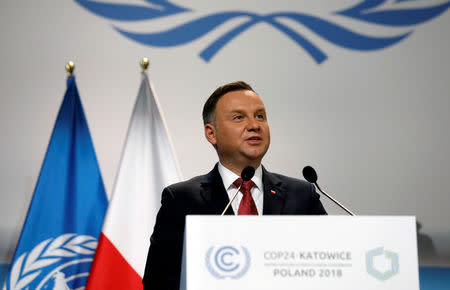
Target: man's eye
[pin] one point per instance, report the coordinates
(238, 117)
(260, 116)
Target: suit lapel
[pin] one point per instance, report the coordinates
(274, 194)
(214, 193)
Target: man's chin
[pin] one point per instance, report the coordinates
(255, 158)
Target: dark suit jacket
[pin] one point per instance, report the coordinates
(206, 194)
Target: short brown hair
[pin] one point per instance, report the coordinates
(210, 105)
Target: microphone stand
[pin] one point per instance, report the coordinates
(335, 201)
(234, 196)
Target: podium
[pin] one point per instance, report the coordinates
(300, 252)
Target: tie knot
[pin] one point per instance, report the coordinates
(247, 205)
(246, 186)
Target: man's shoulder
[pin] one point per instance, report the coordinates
(194, 182)
(286, 180)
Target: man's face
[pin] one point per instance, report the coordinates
(240, 131)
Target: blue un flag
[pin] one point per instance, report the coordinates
(64, 220)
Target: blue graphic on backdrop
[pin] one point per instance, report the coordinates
(367, 11)
(59, 237)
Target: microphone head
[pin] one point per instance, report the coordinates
(247, 173)
(309, 174)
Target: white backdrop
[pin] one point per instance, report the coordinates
(373, 123)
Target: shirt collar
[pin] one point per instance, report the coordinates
(228, 176)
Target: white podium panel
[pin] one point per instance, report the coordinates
(300, 252)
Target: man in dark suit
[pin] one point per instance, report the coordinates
(236, 125)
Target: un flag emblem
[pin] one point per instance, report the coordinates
(227, 261)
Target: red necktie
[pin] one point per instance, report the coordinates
(247, 205)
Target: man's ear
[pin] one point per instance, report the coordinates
(210, 134)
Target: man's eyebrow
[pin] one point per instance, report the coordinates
(241, 111)
(261, 110)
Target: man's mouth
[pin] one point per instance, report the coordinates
(254, 139)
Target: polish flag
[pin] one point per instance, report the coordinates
(148, 165)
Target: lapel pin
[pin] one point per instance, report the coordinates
(273, 191)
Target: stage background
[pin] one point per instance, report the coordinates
(374, 123)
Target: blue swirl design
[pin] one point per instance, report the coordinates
(365, 11)
(394, 17)
(125, 12)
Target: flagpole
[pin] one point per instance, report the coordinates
(144, 63)
(70, 67)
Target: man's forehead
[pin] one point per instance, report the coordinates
(241, 93)
(241, 98)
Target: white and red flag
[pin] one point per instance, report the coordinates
(148, 165)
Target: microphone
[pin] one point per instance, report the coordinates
(246, 174)
(311, 176)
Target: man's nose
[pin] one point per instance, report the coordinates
(253, 125)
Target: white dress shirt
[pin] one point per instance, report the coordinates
(228, 177)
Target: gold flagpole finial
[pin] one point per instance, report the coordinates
(144, 63)
(70, 67)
